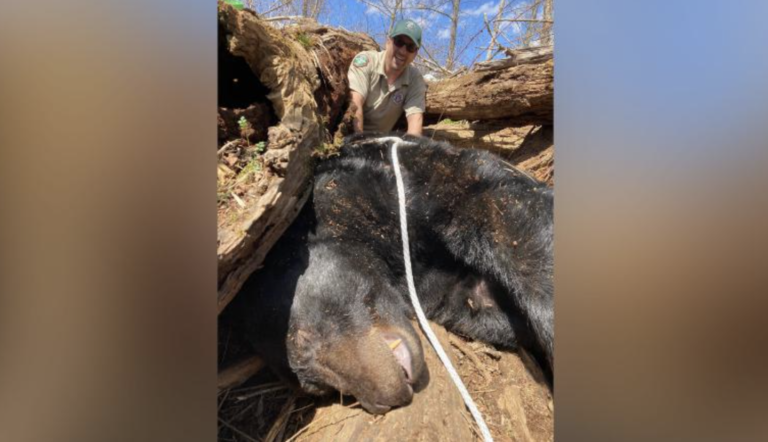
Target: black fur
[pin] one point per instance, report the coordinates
(333, 292)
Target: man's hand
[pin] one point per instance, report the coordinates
(415, 121)
(357, 119)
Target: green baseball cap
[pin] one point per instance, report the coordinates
(409, 28)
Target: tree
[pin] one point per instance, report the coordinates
(438, 7)
(392, 9)
(495, 31)
(546, 30)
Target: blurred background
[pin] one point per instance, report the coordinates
(107, 306)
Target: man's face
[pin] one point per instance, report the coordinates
(397, 55)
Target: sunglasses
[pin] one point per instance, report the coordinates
(400, 42)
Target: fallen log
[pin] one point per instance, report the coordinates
(301, 72)
(332, 52)
(248, 230)
(518, 89)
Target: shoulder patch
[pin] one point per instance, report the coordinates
(360, 61)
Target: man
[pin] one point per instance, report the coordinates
(384, 84)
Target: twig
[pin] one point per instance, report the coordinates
(472, 425)
(261, 392)
(257, 387)
(241, 412)
(436, 11)
(273, 8)
(430, 60)
(278, 428)
(284, 18)
(493, 353)
(226, 345)
(303, 408)
(239, 201)
(523, 20)
(240, 372)
(231, 427)
(354, 404)
(313, 423)
(224, 399)
(229, 144)
(471, 355)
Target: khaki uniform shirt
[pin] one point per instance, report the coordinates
(384, 103)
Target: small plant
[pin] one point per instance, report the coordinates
(304, 39)
(326, 150)
(245, 129)
(253, 168)
(448, 121)
(260, 147)
(222, 197)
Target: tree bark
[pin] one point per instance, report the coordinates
(303, 71)
(518, 89)
(283, 67)
(332, 52)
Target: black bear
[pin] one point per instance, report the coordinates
(331, 308)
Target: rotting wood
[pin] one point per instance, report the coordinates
(237, 374)
(282, 66)
(333, 50)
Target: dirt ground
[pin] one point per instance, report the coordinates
(507, 387)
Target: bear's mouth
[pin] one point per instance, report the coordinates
(401, 353)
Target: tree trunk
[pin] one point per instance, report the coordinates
(546, 29)
(519, 89)
(248, 230)
(299, 92)
(332, 52)
(450, 59)
(530, 29)
(495, 31)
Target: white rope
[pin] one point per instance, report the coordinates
(417, 306)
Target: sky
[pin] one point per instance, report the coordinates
(356, 15)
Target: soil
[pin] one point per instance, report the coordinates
(507, 387)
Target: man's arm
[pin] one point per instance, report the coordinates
(415, 121)
(357, 119)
